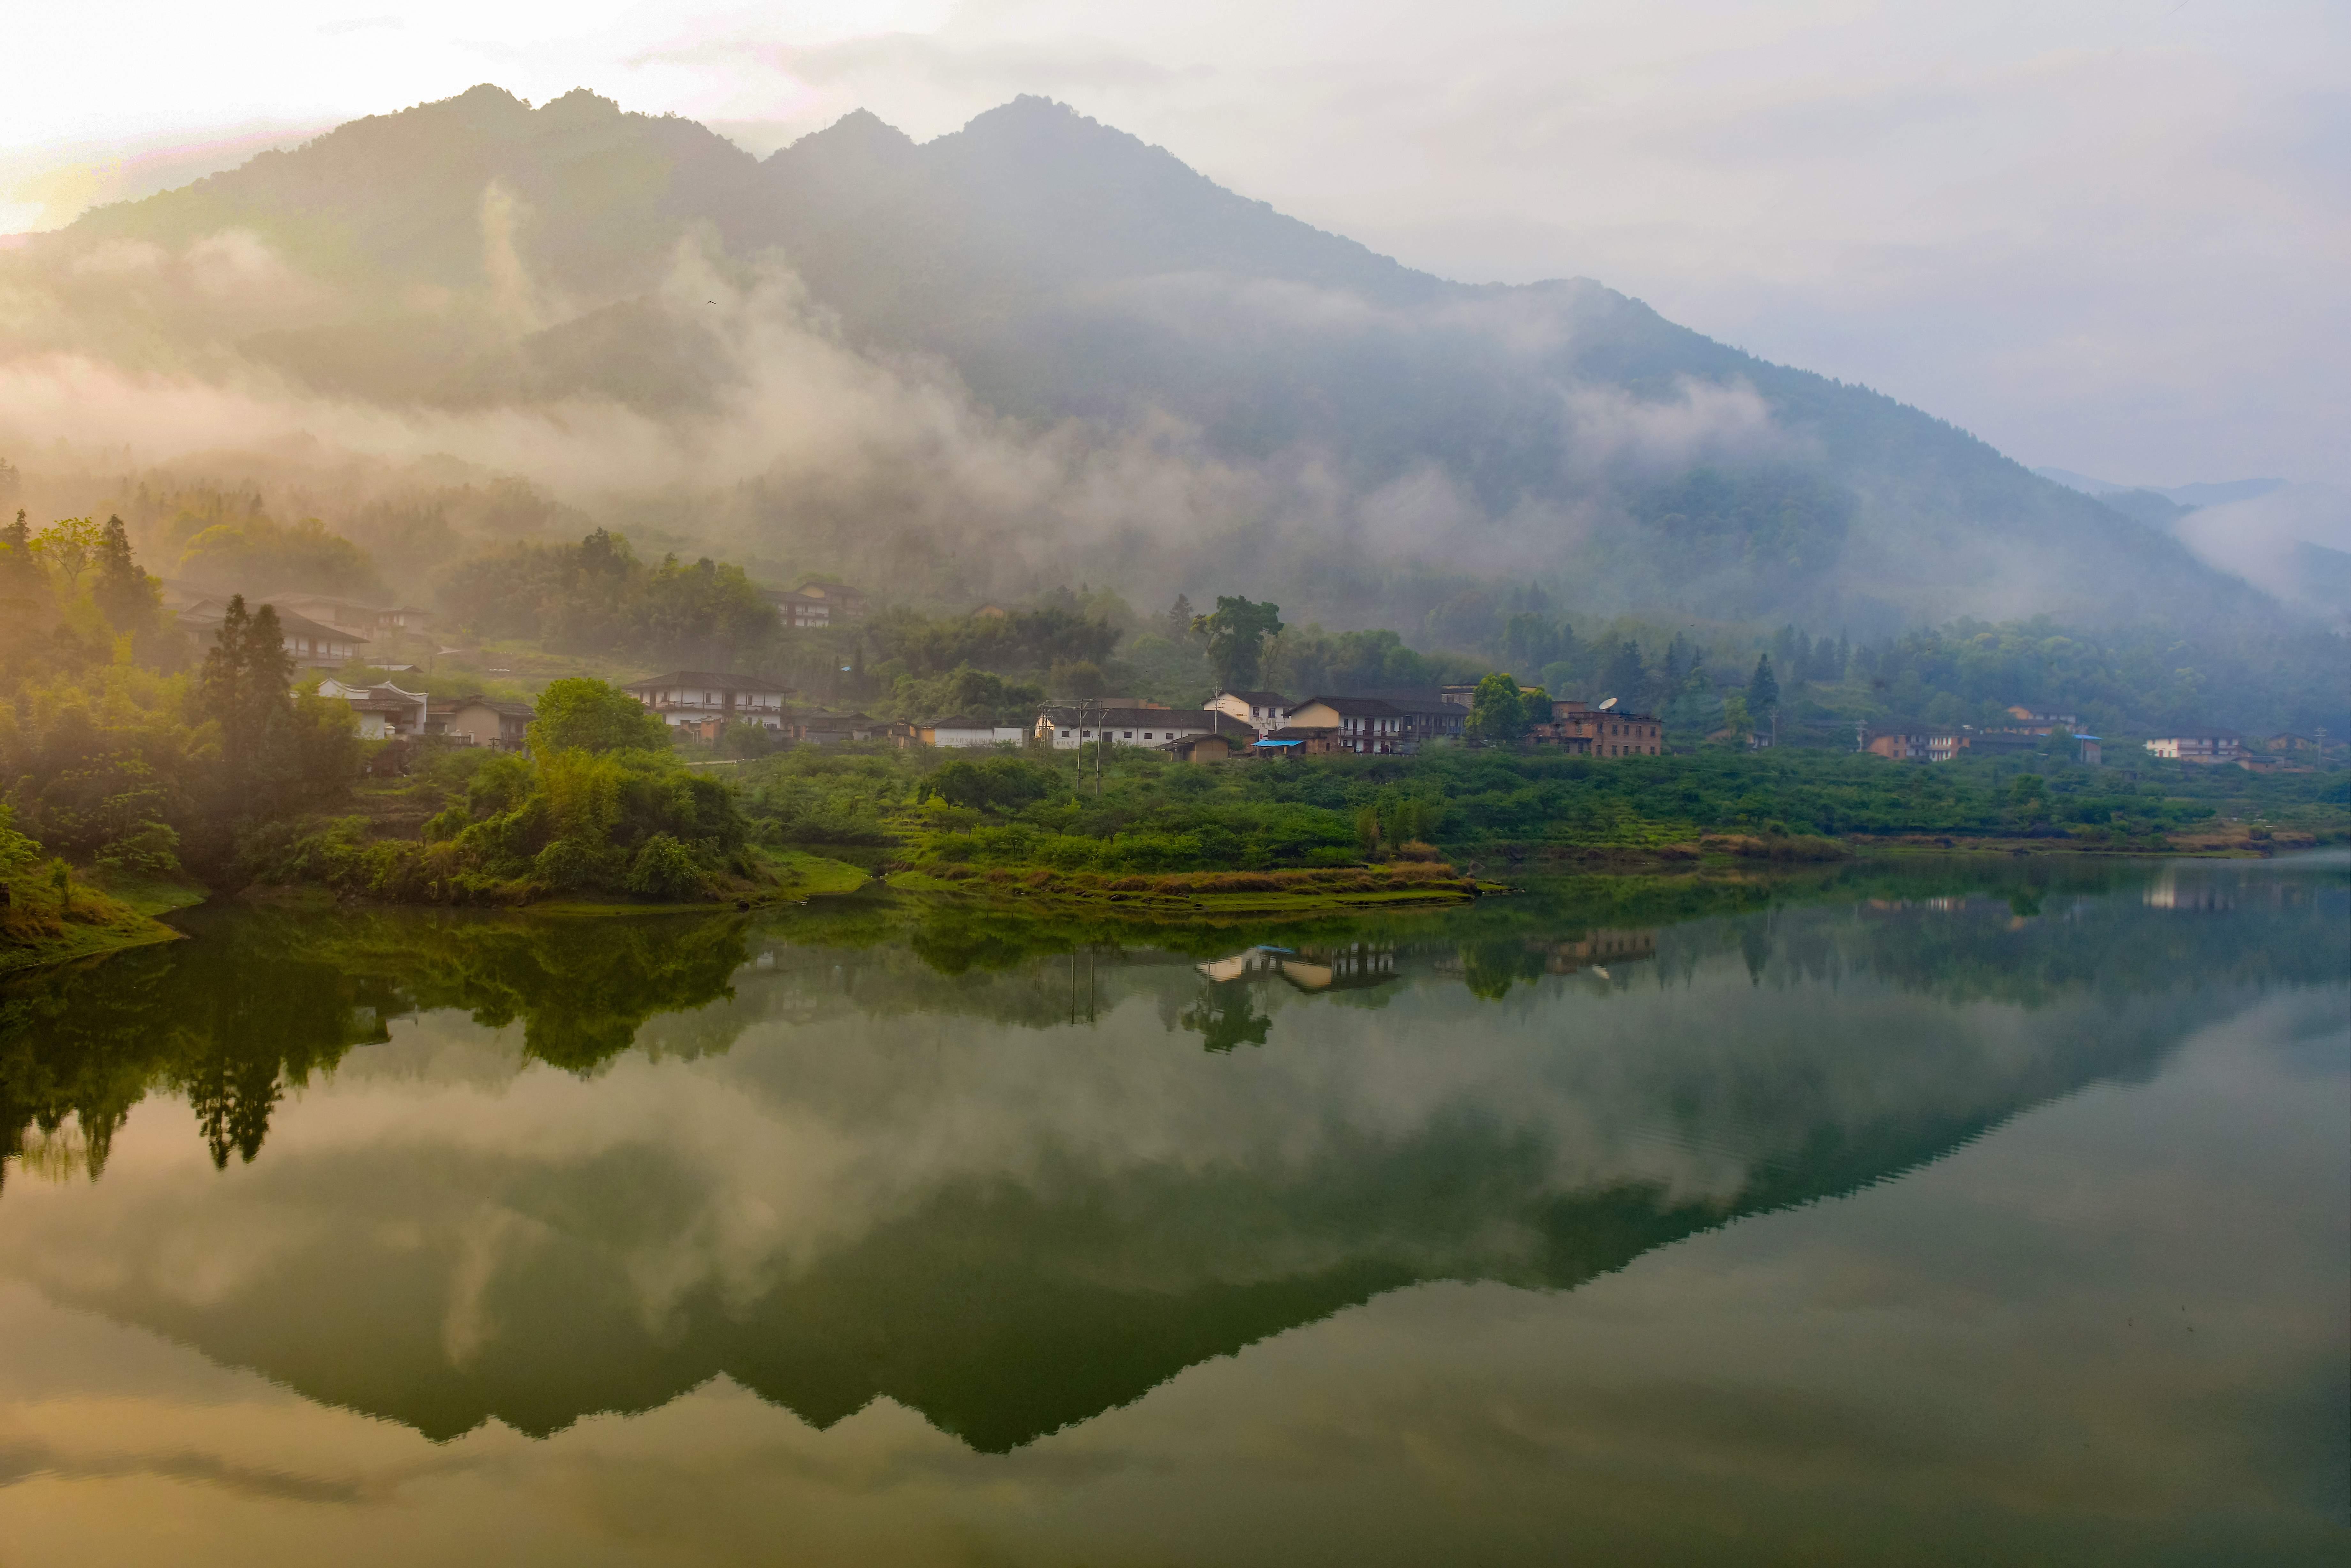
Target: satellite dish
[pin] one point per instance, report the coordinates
(1607, 703)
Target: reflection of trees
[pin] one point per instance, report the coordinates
(1226, 1016)
(261, 1000)
(1003, 1308)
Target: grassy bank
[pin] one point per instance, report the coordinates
(53, 916)
(1147, 815)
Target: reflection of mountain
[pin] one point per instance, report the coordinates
(901, 1182)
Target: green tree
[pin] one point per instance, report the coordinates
(587, 714)
(1628, 676)
(1496, 712)
(1237, 634)
(20, 570)
(1762, 690)
(124, 594)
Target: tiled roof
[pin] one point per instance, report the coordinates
(1355, 707)
(1065, 717)
(708, 681)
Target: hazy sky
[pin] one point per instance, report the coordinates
(2111, 235)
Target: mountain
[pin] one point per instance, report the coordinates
(1072, 354)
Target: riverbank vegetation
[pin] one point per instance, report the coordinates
(1142, 814)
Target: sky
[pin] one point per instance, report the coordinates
(2107, 236)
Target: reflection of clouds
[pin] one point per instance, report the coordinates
(728, 1176)
(1972, 1365)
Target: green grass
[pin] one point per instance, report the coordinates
(804, 875)
(35, 933)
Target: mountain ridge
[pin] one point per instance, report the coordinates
(1069, 276)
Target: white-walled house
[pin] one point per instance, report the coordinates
(2201, 746)
(695, 697)
(963, 732)
(384, 711)
(1263, 712)
(1069, 727)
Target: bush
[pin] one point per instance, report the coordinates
(665, 869)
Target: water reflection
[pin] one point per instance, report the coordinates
(1013, 1173)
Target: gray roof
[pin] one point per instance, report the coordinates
(1357, 707)
(706, 680)
(289, 622)
(1065, 717)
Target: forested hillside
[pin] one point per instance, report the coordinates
(1039, 345)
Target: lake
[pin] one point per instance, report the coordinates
(1941, 1213)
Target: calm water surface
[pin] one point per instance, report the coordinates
(1952, 1215)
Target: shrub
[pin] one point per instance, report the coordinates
(664, 868)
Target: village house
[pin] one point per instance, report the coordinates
(1365, 726)
(963, 732)
(310, 645)
(816, 603)
(832, 728)
(693, 696)
(2204, 747)
(1264, 712)
(1290, 742)
(2002, 742)
(1067, 726)
(2088, 749)
(1434, 718)
(2034, 719)
(350, 615)
(384, 711)
(1606, 730)
(1229, 737)
(479, 720)
(1914, 740)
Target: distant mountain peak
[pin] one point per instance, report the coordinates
(860, 132)
(579, 104)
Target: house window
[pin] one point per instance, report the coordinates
(1130, 734)
(1146, 734)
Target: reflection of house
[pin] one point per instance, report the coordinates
(384, 711)
(1340, 969)
(1309, 969)
(484, 721)
(1596, 948)
(2167, 892)
(691, 696)
(310, 645)
(1241, 966)
(817, 603)
(2206, 746)
(1606, 730)
(1081, 723)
